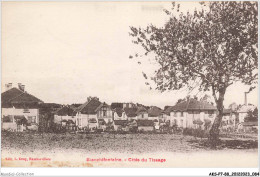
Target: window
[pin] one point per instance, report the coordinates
(175, 114)
(8, 118)
(104, 111)
(181, 114)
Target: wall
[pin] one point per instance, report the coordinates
(82, 120)
(58, 119)
(18, 112)
(123, 117)
(142, 116)
(186, 120)
(242, 116)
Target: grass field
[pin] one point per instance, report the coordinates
(172, 146)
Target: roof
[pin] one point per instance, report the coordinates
(90, 107)
(227, 111)
(145, 123)
(120, 122)
(16, 96)
(249, 123)
(140, 110)
(66, 111)
(130, 112)
(154, 111)
(116, 105)
(119, 111)
(192, 105)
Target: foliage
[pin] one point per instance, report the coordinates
(252, 116)
(218, 46)
(207, 123)
(198, 122)
(209, 49)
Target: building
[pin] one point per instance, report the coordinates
(130, 113)
(243, 110)
(191, 113)
(65, 113)
(119, 114)
(88, 113)
(155, 112)
(247, 127)
(145, 125)
(228, 119)
(20, 110)
(156, 115)
(141, 113)
(121, 125)
(123, 111)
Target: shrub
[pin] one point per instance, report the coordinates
(187, 131)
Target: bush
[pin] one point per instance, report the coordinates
(187, 131)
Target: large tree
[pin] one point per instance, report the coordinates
(209, 48)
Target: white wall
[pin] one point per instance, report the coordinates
(186, 120)
(142, 116)
(18, 112)
(82, 120)
(58, 119)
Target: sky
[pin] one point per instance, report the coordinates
(64, 52)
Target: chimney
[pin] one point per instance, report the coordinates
(21, 87)
(89, 98)
(246, 98)
(8, 86)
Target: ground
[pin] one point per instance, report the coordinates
(172, 146)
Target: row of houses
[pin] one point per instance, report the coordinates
(18, 107)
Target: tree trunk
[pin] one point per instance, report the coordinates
(214, 131)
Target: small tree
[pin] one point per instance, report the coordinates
(252, 116)
(209, 49)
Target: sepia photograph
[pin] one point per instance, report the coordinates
(130, 84)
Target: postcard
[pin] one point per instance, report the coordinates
(130, 84)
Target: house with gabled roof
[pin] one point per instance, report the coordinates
(228, 119)
(121, 125)
(119, 114)
(243, 110)
(141, 112)
(20, 110)
(186, 113)
(123, 111)
(155, 112)
(65, 113)
(156, 115)
(130, 113)
(87, 114)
